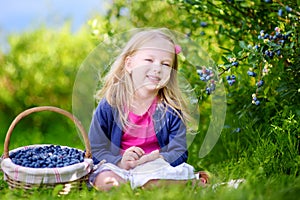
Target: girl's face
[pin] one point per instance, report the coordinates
(150, 66)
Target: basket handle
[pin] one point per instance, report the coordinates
(47, 108)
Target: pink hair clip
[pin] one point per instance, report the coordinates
(177, 48)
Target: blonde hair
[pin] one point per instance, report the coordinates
(118, 87)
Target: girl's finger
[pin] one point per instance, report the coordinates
(133, 155)
(128, 158)
(139, 151)
(130, 148)
(155, 152)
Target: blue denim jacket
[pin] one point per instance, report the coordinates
(105, 134)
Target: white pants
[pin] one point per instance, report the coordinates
(157, 169)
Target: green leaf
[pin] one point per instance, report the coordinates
(242, 44)
(224, 48)
(266, 90)
(224, 59)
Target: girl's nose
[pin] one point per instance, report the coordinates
(157, 66)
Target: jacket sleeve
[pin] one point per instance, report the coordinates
(174, 138)
(100, 135)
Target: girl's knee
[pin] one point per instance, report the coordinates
(107, 180)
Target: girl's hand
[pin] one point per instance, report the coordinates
(149, 157)
(131, 157)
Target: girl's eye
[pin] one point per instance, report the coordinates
(148, 60)
(166, 64)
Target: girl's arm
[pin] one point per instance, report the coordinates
(103, 135)
(173, 140)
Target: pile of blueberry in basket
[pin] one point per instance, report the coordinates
(48, 156)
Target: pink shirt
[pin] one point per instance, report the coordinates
(143, 135)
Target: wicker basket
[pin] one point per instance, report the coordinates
(77, 178)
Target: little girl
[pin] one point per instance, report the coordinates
(138, 128)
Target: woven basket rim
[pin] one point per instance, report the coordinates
(42, 145)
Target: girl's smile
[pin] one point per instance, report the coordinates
(154, 79)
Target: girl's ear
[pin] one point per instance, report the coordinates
(128, 64)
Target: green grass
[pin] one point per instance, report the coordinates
(255, 187)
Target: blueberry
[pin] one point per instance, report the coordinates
(250, 73)
(278, 35)
(31, 165)
(257, 102)
(280, 12)
(285, 37)
(267, 52)
(81, 158)
(236, 63)
(208, 91)
(12, 155)
(213, 87)
(260, 83)
(278, 52)
(199, 72)
(231, 82)
(66, 164)
(289, 9)
(37, 165)
(237, 130)
(203, 24)
(271, 54)
(266, 36)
